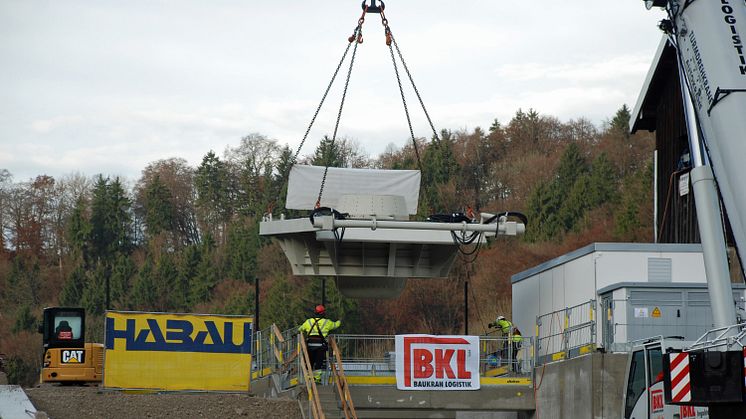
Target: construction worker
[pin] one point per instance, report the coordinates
(316, 329)
(510, 332)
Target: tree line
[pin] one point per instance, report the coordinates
(185, 239)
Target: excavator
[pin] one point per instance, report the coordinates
(67, 357)
(667, 378)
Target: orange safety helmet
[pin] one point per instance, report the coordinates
(320, 309)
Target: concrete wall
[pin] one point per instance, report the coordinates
(590, 386)
(487, 398)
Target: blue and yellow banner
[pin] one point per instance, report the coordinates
(167, 351)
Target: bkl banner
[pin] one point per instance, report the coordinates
(426, 362)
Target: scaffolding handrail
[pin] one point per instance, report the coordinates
(727, 336)
(576, 329)
(375, 355)
(340, 381)
(275, 351)
(313, 395)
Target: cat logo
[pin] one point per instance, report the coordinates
(73, 356)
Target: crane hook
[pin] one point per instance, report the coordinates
(373, 8)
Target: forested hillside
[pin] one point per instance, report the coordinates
(185, 239)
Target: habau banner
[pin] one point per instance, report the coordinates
(167, 351)
(426, 362)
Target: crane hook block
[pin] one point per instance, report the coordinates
(373, 8)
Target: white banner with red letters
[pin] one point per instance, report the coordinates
(427, 362)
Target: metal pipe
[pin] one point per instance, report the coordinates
(256, 303)
(511, 228)
(713, 247)
(466, 307)
(655, 197)
(708, 216)
(696, 149)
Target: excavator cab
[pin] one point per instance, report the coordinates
(63, 327)
(67, 357)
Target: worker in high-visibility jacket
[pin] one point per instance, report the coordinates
(507, 329)
(316, 329)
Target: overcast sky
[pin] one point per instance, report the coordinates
(109, 86)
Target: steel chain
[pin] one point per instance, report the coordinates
(416, 91)
(389, 40)
(323, 98)
(359, 40)
(406, 109)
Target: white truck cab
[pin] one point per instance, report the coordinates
(643, 391)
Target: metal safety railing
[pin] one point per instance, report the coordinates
(730, 337)
(275, 352)
(374, 355)
(367, 354)
(566, 333)
(371, 359)
(506, 355)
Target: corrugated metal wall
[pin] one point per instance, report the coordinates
(677, 214)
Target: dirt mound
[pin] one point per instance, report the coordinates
(91, 402)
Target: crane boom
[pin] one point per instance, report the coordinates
(710, 39)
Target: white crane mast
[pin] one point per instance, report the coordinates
(709, 38)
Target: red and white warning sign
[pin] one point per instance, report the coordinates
(680, 380)
(426, 362)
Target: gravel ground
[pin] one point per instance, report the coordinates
(91, 402)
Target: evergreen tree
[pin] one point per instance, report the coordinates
(571, 167)
(439, 167)
(328, 154)
(25, 320)
(602, 183)
(241, 250)
(543, 213)
(214, 206)
(79, 231)
(119, 281)
(279, 180)
(187, 267)
(110, 220)
(24, 280)
(101, 236)
(143, 295)
(575, 205)
(72, 292)
(121, 218)
(206, 276)
(557, 206)
(635, 206)
(239, 303)
(619, 125)
(94, 292)
(169, 295)
(495, 126)
(281, 308)
(159, 210)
